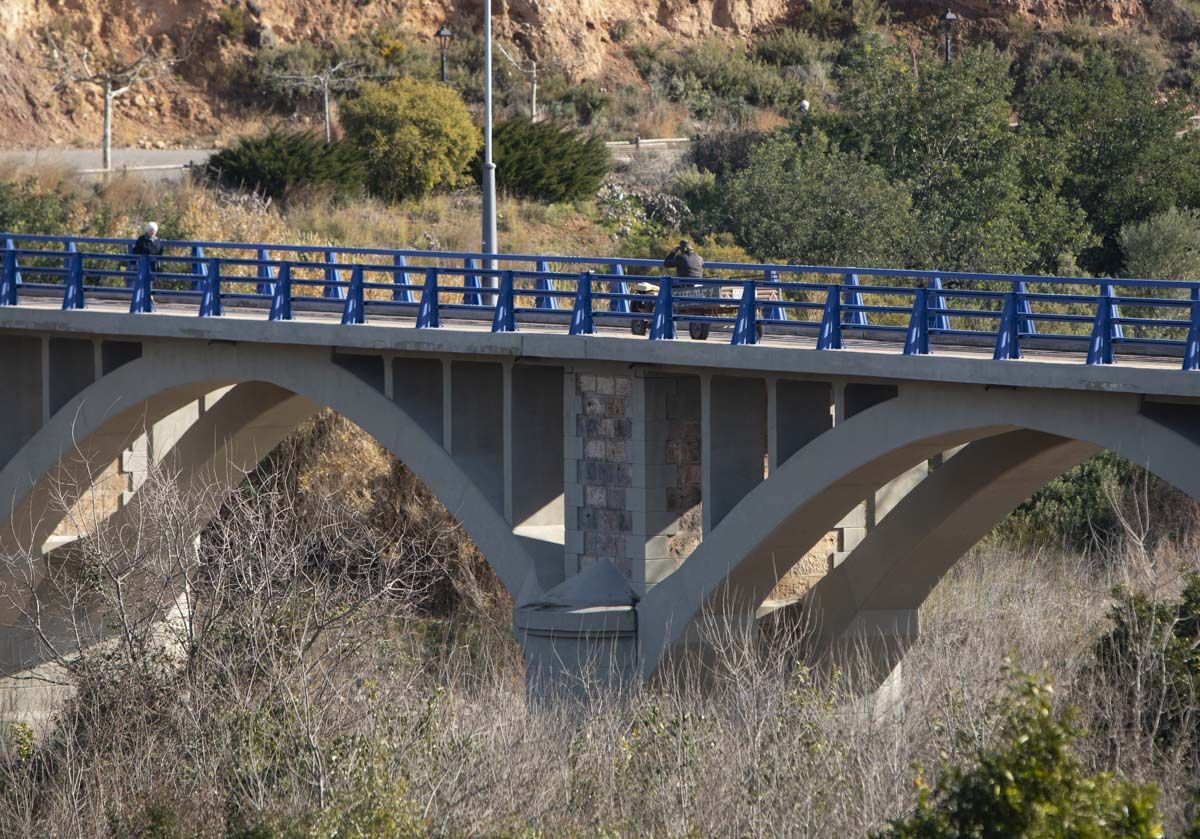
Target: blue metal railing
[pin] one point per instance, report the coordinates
(916, 309)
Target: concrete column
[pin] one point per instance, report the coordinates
(477, 425)
(418, 387)
(536, 449)
(22, 381)
(734, 435)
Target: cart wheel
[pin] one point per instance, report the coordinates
(698, 331)
(638, 327)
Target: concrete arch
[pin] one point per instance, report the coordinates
(169, 375)
(806, 497)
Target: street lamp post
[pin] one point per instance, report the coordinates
(444, 35)
(948, 21)
(489, 168)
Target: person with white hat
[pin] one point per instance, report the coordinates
(149, 244)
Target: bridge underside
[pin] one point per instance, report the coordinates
(623, 503)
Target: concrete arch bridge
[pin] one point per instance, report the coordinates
(624, 488)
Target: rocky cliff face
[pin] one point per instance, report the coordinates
(577, 34)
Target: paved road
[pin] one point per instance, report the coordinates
(77, 159)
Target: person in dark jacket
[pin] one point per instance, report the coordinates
(149, 244)
(687, 263)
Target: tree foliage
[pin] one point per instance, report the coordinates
(282, 164)
(810, 203)
(1165, 246)
(1031, 784)
(415, 137)
(547, 161)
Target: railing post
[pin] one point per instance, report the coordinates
(916, 340)
(353, 312)
(400, 293)
(1191, 353)
(854, 298)
(142, 301)
(266, 279)
(210, 298)
(1100, 349)
(130, 275)
(471, 298)
(199, 268)
(940, 321)
(618, 304)
(333, 278)
(663, 326)
(10, 247)
(1115, 310)
(505, 319)
(544, 283)
(73, 282)
(1008, 333)
(581, 315)
(830, 337)
(8, 276)
(773, 311)
(745, 331)
(281, 300)
(428, 316)
(1025, 323)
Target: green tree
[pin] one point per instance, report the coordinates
(1118, 143)
(415, 137)
(547, 161)
(945, 133)
(1165, 246)
(808, 202)
(1031, 784)
(282, 164)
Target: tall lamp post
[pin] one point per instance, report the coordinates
(948, 21)
(444, 35)
(489, 167)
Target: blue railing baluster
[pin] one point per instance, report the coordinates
(281, 300)
(1008, 333)
(1026, 324)
(199, 268)
(662, 328)
(73, 283)
(142, 299)
(618, 304)
(773, 311)
(854, 298)
(745, 330)
(940, 321)
(471, 280)
(581, 314)
(1100, 348)
(334, 290)
(266, 278)
(400, 291)
(916, 339)
(8, 276)
(830, 337)
(1118, 331)
(210, 298)
(10, 249)
(429, 315)
(352, 312)
(1191, 350)
(504, 320)
(544, 283)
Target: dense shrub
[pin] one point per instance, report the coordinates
(546, 161)
(1031, 784)
(1165, 246)
(809, 203)
(26, 207)
(1151, 655)
(281, 164)
(415, 137)
(724, 152)
(791, 48)
(1075, 508)
(711, 73)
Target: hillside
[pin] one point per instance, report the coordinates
(578, 39)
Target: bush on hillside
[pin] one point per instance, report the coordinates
(415, 137)
(724, 152)
(27, 207)
(1163, 247)
(1031, 783)
(281, 164)
(547, 161)
(791, 48)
